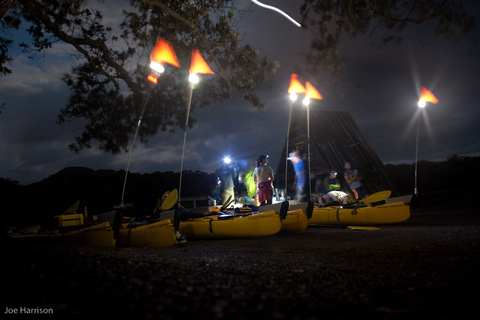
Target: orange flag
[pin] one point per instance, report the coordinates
(295, 85)
(427, 96)
(198, 64)
(163, 52)
(312, 93)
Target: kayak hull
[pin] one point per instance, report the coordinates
(160, 234)
(296, 220)
(100, 235)
(232, 226)
(361, 216)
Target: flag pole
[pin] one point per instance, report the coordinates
(190, 93)
(133, 142)
(286, 148)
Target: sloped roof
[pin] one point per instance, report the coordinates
(334, 139)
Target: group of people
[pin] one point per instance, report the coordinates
(333, 189)
(263, 177)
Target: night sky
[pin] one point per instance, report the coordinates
(381, 85)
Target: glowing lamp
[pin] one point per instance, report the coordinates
(426, 96)
(156, 67)
(193, 78)
(198, 65)
(152, 78)
(306, 101)
(293, 96)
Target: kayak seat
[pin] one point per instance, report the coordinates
(284, 210)
(309, 211)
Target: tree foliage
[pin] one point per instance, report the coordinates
(107, 81)
(335, 21)
(435, 176)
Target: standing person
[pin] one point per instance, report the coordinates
(225, 174)
(300, 175)
(263, 177)
(333, 189)
(353, 178)
(215, 192)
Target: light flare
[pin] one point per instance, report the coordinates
(152, 78)
(163, 52)
(193, 78)
(312, 93)
(426, 96)
(277, 10)
(198, 64)
(295, 85)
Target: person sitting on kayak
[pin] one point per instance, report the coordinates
(353, 178)
(333, 189)
(263, 177)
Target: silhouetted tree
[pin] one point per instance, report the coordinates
(108, 77)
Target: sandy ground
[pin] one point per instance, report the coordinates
(427, 267)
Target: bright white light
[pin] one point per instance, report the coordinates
(422, 103)
(306, 101)
(277, 10)
(227, 160)
(193, 78)
(157, 67)
(293, 96)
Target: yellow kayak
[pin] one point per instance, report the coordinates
(232, 225)
(100, 235)
(297, 217)
(361, 216)
(296, 220)
(160, 234)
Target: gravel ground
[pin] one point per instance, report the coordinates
(427, 266)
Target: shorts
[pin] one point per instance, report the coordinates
(265, 191)
(339, 194)
(360, 192)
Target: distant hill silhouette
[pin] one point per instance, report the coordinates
(457, 173)
(101, 190)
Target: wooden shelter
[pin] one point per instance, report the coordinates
(334, 139)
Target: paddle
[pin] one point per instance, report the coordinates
(73, 208)
(170, 200)
(229, 201)
(376, 197)
(362, 228)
